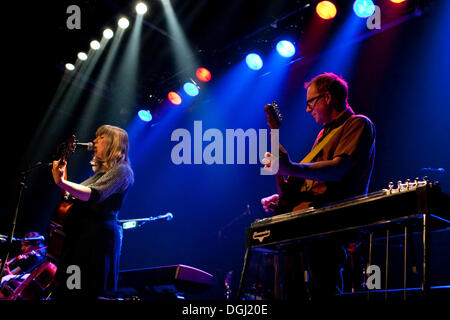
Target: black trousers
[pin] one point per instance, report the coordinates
(94, 247)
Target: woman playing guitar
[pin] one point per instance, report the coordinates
(92, 235)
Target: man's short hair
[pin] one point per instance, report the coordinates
(334, 84)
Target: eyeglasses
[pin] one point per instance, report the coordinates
(310, 104)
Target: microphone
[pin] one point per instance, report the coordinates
(40, 238)
(4, 238)
(168, 216)
(85, 145)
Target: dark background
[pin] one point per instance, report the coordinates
(398, 77)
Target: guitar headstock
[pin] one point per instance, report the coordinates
(66, 148)
(274, 116)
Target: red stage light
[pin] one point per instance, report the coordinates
(203, 74)
(174, 98)
(326, 10)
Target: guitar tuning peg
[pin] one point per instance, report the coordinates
(391, 185)
(408, 184)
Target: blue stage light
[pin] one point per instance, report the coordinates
(191, 89)
(363, 8)
(285, 48)
(254, 61)
(145, 115)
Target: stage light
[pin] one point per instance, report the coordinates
(285, 48)
(95, 45)
(141, 8)
(129, 225)
(254, 61)
(363, 8)
(82, 56)
(108, 33)
(174, 98)
(397, 1)
(123, 23)
(145, 115)
(203, 74)
(326, 10)
(191, 89)
(70, 66)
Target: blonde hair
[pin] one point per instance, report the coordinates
(116, 150)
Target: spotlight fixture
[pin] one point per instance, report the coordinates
(203, 74)
(123, 23)
(141, 8)
(191, 89)
(145, 115)
(82, 56)
(326, 10)
(285, 48)
(95, 45)
(70, 66)
(254, 61)
(363, 8)
(174, 98)
(108, 33)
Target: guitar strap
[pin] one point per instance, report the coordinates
(315, 151)
(318, 147)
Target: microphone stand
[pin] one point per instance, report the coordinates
(247, 212)
(22, 186)
(140, 222)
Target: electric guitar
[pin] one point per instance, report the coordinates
(291, 189)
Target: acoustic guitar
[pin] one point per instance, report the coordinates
(57, 235)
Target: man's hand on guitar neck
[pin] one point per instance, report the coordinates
(284, 163)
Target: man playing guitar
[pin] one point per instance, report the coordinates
(341, 161)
